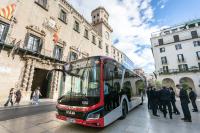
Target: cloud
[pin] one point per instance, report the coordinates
(162, 3)
(130, 20)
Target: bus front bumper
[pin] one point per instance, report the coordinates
(91, 123)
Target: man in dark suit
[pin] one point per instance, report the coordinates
(165, 98)
(173, 101)
(193, 97)
(148, 97)
(154, 99)
(184, 104)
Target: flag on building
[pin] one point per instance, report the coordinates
(8, 11)
(55, 37)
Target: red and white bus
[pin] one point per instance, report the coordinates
(97, 91)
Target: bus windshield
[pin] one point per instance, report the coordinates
(85, 82)
(82, 84)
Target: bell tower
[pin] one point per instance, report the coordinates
(100, 18)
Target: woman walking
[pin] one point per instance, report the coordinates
(18, 96)
(10, 98)
(36, 96)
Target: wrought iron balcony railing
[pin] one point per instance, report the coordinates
(18, 47)
(175, 71)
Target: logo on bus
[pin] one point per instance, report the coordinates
(70, 112)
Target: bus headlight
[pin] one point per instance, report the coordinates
(94, 116)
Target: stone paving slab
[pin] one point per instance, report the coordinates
(139, 120)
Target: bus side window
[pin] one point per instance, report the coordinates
(127, 89)
(112, 80)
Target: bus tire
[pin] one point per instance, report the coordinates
(124, 109)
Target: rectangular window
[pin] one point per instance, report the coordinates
(107, 49)
(3, 31)
(58, 51)
(100, 44)
(180, 58)
(183, 67)
(164, 60)
(76, 26)
(42, 3)
(86, 34)
(196, 43)
(198, 55)
(165, 69)
(162, 50)
(93, 39)
(73, 56)
(178, 46)
(176, 38)
(63, 16)
(160, 41)
(34, 43)
(194, 34)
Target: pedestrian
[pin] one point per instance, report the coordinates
(36, 95)
(10, 98)
(148, 95)
(193, 97)
(160, 107)
(154, 102)
(173, 101)
(151, 95)
(165, 98)
(184, 103)
(18, 96)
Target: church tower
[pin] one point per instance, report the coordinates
(100, 18)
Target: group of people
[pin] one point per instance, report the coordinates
(165, 101)
(14, 97)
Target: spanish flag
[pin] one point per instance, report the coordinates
(8, 11)
(55, 37)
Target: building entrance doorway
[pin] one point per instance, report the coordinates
(41, 80)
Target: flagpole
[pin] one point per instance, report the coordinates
(12, 22)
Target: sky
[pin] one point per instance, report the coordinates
(133, 21)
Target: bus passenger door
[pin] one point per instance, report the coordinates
(112, 80)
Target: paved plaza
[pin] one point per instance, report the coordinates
(139, 120)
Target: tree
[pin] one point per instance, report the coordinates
(158, 84)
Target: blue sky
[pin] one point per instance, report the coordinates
(133, 21)
(175, 11)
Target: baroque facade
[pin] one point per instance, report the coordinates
(37, 36)
(176, 52)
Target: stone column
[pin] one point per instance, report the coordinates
(30, 81)
(54, 85)
(26, 74)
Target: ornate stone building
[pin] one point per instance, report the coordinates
(39, 35)
(176, 52)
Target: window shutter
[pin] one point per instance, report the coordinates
(40, 45)
(54, 51)
(26, 39)
(61, 54)
(5, 32)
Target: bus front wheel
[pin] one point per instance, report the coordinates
(124, 109)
